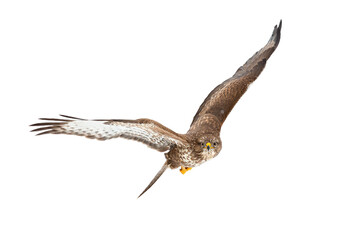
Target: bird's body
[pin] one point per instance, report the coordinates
(201, 143)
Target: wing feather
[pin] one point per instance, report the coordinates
(223, 98)
(146, 131)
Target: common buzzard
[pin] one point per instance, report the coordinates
(185, 151)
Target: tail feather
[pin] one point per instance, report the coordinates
(157, 176)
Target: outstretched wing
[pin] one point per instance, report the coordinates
(146, 131)
(223, 98)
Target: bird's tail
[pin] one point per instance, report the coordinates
(157, 176)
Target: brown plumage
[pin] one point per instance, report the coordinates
(201, 143)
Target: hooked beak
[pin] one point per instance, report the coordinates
(208, 146)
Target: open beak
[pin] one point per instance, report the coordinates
(208, 146)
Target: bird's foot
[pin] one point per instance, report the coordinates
(183, 170)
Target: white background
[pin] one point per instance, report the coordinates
(289, 167)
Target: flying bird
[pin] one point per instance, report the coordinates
(185, 151)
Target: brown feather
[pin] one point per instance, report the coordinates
(46, 132)
(66, 116)
(157, 176)
(185, 150)
(46, 123)
(147, 131)
(223, 98)
(42, 129)
(55, 119)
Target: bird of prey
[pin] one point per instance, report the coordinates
(185, 151)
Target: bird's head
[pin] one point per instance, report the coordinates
(209, 146)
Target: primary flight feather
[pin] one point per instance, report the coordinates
(185, 151)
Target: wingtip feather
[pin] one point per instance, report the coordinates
(275, 36)
(42, 129)
(66, 116)
(46, 132)
(54, 119)
(46, 123)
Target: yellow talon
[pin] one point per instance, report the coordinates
(183, 170)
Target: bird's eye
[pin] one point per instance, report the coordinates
(214, 144)
(202, 144)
